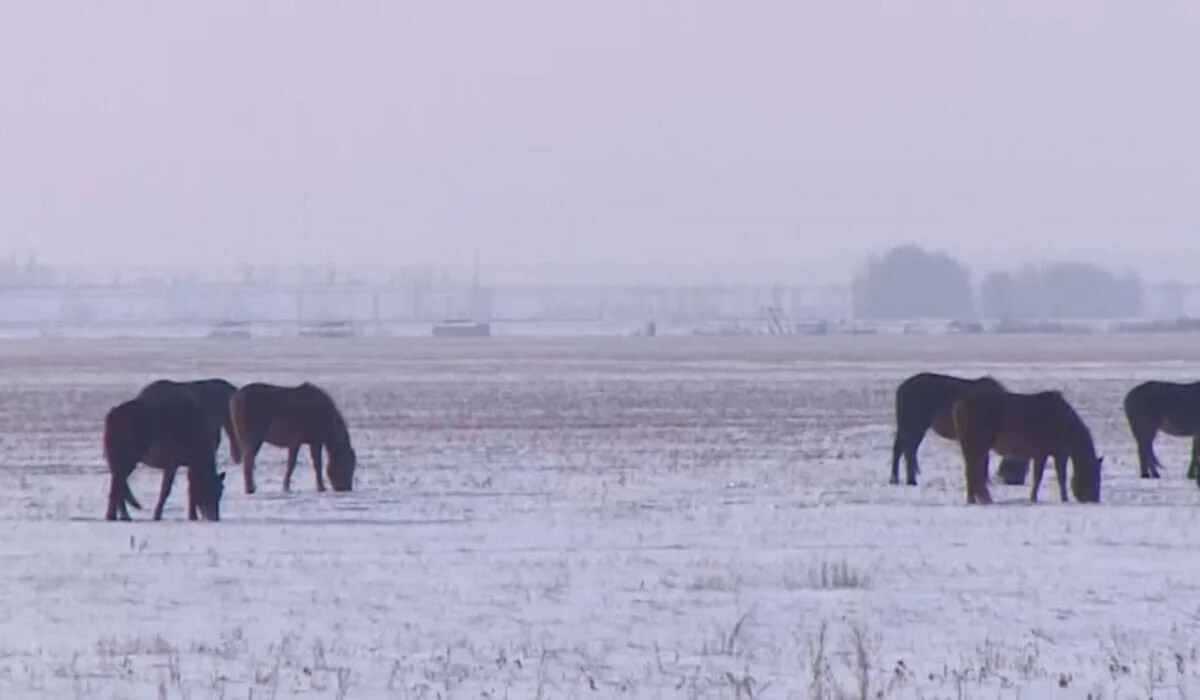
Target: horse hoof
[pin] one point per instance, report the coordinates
(913, 482)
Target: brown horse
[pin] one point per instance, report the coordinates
(290, 417)
(1170, 407)
(1029, 426)
(166, 435)
(924, 401)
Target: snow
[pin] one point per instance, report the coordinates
(651, 517)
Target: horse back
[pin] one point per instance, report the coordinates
(210, 396)
(289, 414)
(980, 413)
(160, 433)
(1173, 407)
(925, 399)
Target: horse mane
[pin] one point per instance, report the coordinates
(335, 413)
(989, 379)
(1075, 421)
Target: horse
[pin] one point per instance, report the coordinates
(924, 401)
(213, 397)
(163, 434)
(291, 416)
(1170, 407)
(1034, 426)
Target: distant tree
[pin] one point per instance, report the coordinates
(1084, 290)
(998, 295)
(1062, 289)
(911, 282)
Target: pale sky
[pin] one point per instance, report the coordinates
(623, 131)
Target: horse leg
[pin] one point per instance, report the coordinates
(1060, 470)
(164, 491)
(974, 464)
(908, 439)
(116, 497)
(982, 494)
(193, 507)
(1191, 473)
(293, 455)
(118, 491)
(972, 459)
(249, 452)
(896, 450)
(235, 451)
(911, 467)
(1147, 461)
(314, 451)
(1039, 468)
(969, 473)
(1152, 460)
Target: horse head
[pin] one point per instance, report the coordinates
(1085, 479)
(340, 470)
(207, 489)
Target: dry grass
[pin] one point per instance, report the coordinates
(835, 576)
(838, 661)
(831, 575)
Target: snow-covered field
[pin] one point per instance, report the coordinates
(556, 518)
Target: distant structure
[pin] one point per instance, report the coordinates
(462, 327)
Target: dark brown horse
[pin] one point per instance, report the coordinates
(166, 435)
(1035, 426)
(924, 401)
(212, 396)
(290, 417)
(1170, 407)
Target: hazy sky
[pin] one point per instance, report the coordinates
(228, 131)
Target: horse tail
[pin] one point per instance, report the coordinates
(907, 429)
(116, 448)
(127, 494)
(1139, 409)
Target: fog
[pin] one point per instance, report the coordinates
(624, 132)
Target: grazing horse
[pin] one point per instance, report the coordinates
(167, 435)
(1170, 407)
(212, 396)
(1030, 426)
(290, 417)
(924, 401)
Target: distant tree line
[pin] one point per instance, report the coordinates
(911, 282)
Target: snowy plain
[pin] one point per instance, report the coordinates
(597, 517)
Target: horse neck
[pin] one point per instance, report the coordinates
(339, 434)
(1083, 447)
